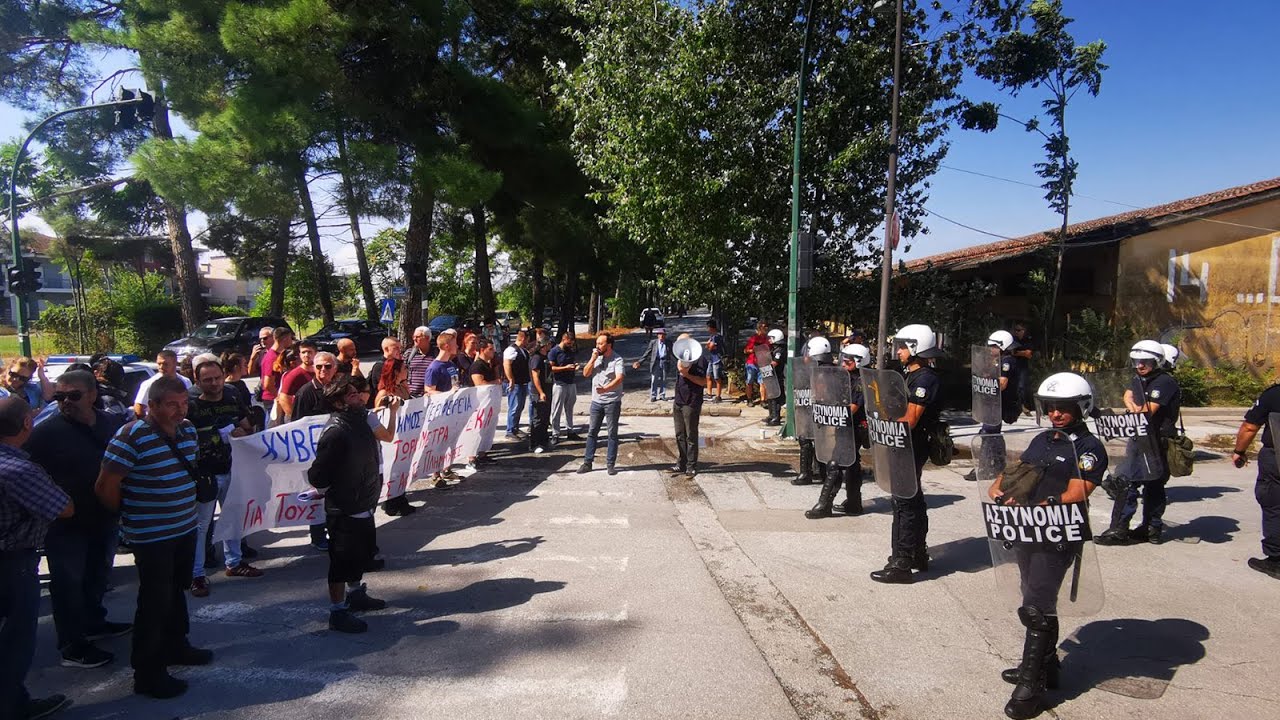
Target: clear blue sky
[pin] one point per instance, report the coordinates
(1189, 105)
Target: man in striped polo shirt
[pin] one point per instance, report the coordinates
(147, 475)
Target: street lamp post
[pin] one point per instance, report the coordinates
(793, 290)
(20, 311)
(882, 328)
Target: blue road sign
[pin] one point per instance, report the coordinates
(388, 311)
(399, 292)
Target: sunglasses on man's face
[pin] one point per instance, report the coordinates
(19, 377)
(73, 396)
(323, 366)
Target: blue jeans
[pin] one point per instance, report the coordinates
(19, 614)
(517, 396)
(78, 566)
(230, 548)
(753, 375)
(599, 412)
(658, 382)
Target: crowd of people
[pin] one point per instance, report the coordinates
(85, 471)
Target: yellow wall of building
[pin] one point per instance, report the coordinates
(1214, 287)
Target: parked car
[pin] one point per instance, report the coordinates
(366, 334)
(440, 323)
(509, 319)
(136, 371)
(234, 334)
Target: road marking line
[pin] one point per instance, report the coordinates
(590, 520)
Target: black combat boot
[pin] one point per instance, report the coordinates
(896, 572)
(852, 477)
(1118, 532)
(1027, 700)
(1052, 666)
(830, 486)
(806, 460)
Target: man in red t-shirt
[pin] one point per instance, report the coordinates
(295, 379)
(753, 373)
(266, 372)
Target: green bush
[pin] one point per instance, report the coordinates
(145, 329)
(221, 311)
(1235, 384)
(1194, 381)
(62, 325)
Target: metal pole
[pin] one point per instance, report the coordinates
(793, 302)
(886, 271)
(20, 307)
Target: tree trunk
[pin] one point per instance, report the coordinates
(280, 265)
(484, 281)
(357, 239)
(593, 314)
(537, 268)
(417, 249)
(175, 216)
(568, 302)
(317, 255)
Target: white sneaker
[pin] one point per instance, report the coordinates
(539, 450)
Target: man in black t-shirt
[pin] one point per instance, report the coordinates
(564, 391)
(310, 399)
(686, 412)
(1267, 488)
(540, 394)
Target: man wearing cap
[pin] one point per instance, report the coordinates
(658, 356)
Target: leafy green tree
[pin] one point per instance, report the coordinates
(301, 292)
(1041, 54)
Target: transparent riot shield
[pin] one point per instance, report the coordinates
(1042, 554)
(985, 385)
(768, 378)
(803, 399)
(1273, 424)
(1132, 451)
(885, 396)
(833, 439)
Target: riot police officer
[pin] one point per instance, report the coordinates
(778, 353)
(915, 346)
(852, 358)
(1070, 462)
(993, 412)
(1154, 393)
(817, 352)
(1265, 416)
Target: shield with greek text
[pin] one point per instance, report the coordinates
(833, 439)
(768, 376)
(803, 399)
(985, 385)
(1042, 554)
(885, 396)
(1273, 424)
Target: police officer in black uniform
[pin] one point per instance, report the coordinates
(1069, 476)
(1154, 393)
(1267, 489)
(852, 358)
(778, 350)
(915, 345)
(817, 352)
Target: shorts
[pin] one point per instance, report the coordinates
(753, 375)
(352, 542)
(715, 370)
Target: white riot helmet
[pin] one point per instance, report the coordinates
(1066, 387)
(860, 354)
(1171, 355)
(1147, 350)
(921, 340)
(1002, 339)
(817, 346)
(775, 336)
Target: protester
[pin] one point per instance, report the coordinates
(540, 395)
(464, 359)
(393, 381)
(715, 361)
(217, 416)
(268, 367)
(167, 363)
(295, 379)
(418, 359)
(348, 362)
(752, 371)
(266, 338)
(443, 376)
(27, 380)
(309, 400)
(384, 432)
(564, 389)
(687, 411)
(80, 549)
(346, 470)
(147, 475)
(29, 502)
(515, 364)
(607, 371)
(483, 372)
(111, 397)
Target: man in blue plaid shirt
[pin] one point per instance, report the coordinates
(29, 502)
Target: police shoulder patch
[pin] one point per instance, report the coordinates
(921, 392)
(1088, 462)
(1155, 393)
(1004, 366)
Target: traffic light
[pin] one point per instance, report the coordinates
(24, 282)
(32, 280)
(15, 280)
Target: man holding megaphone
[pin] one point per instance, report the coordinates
(691, 364)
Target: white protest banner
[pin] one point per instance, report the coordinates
(269, 469)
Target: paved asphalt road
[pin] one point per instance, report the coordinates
(531, 591)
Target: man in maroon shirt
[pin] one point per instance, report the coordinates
(295, 379)
(266, 371)
(753, 373)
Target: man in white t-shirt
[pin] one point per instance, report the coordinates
(167, 361)
(606, 370)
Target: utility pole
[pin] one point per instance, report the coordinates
(886, 270)
(23, 292)
(793, 290)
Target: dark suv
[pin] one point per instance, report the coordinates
(234, 334)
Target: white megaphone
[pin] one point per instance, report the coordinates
(687, 351)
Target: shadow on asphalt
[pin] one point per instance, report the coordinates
(1130, 657)
(1214, 529)
(967, 555)
(1193, 493)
